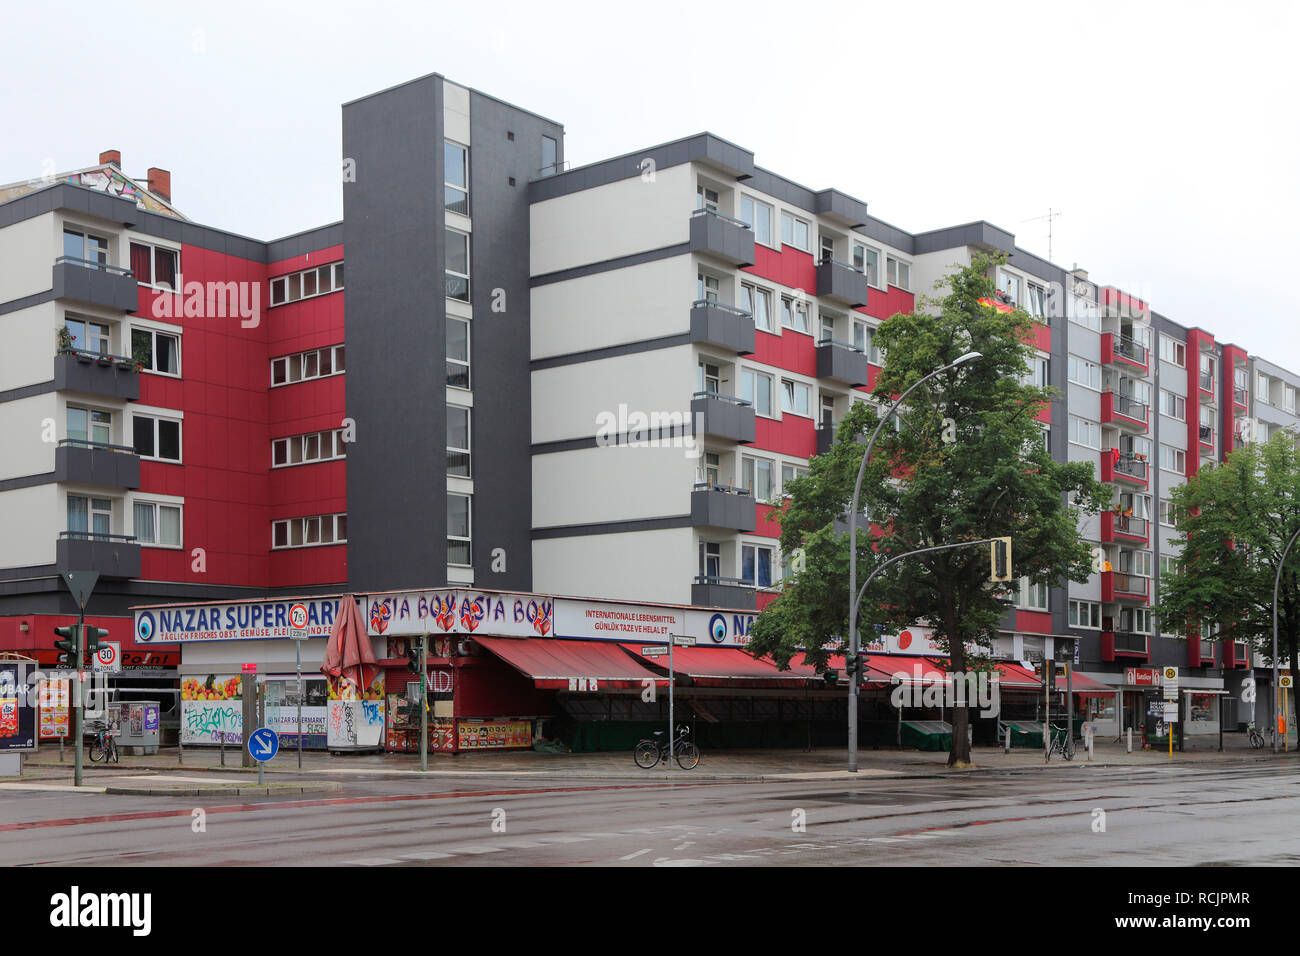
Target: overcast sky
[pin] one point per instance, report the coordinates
(1164, 134)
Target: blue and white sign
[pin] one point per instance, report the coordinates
(236, 621)
(263, 744)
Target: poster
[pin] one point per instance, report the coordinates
(211, 709)
(403, 733)
(494, 734)
(55, 709)
(18, 721)
(355, 720)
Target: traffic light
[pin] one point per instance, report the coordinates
(68, 646)
(1000, 559)
(831, 676)
(413, 661)
(853, 665)
(92, 636)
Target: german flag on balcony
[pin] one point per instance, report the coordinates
(1000, 303)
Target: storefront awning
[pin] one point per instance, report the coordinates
(727, 667)
(555, 664)
(1085, 685)
(1014, 677)
(900, 668)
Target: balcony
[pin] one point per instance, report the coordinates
(723, 416)
(841, 282)
(108, 376)
(1122, 586)
(1205, 649)
(710, 591)
(1124, 469)
(720, 506)
(841, 362)
(112, 555)
(1131, 643)
(1124, 412)
(1240, 396)
(1119, 349)
(93, 463)
(95, 283)
(826, 436)
(722, 237)
(840, 208)
(1122, 527)
(713, 323)
(1206, 435)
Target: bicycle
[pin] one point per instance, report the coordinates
(1256, 738)
(650, 752)
(1061, 743)
(103, 746)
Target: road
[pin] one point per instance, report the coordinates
(1167, 816)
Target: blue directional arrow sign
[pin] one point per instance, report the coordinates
(263, 744)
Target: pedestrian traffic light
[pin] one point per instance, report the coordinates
(1000, 557)
(831, 676)
(413, 662)
(68, 646)
(93, 636)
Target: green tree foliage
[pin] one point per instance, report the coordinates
(1233, 520)
(966, 462)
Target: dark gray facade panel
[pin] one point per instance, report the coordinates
(725, 596)
(67, 196)
(833, 203)
(112, 559)
(78, 464)
(715, 324)
(713, 508)
(970, 234)
(84, 284)
(890, 235)
(612, 527)
(78, 372)
(607, 265)
(26, 302)
(841, 364)
(723, 238)
(568, 444)
(395, 385)
(27, 391)
(724, 419)
(630, 348)
(841, 282)
(501, 421)
(28, 481)
(778, 187)
(304, 242)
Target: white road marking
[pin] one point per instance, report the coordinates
(633, 856)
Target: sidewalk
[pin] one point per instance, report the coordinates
(733, 765)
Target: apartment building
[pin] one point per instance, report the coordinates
(593, 381)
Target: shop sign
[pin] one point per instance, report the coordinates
(459, 612)
(594, 620)
(1142, 676)
(237, 621)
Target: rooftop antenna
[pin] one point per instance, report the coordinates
(1051, 214)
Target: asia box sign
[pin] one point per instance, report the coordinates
(462, 611)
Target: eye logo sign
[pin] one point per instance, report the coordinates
(144, 627)
(718, 628)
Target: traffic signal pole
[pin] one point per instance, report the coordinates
(424, 701)
(77, 712)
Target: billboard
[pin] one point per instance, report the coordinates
(18, 721)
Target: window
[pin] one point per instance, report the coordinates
(1140, 620)
(156, 438)
(1173, 459)
(1173, 351)
(550, 155)
(796, 232)
(1168, 564)
(706, 288)
(1083, 372)
(320, 280)
(1009, 286)
(757, 476)
(900, 273)
(1084, 312)
(710, 560)
(309, 532)
(90, 425)
(90, 515)
(1033, 596)
(88, 336)
(1037, 376)
(458, 441)
(308, 449)
(458, 530)
(1138, 563)
(867, 260)
(756, 565)
(794, 315)
(796, 398)
(758, 303)
(712, 472)
(85, 248)
(756, 388)
(1262, 388)
(788, 474)
(758, 216)
(158, 352)
(154, 265)
(457, 265)
(1288, 398)
(1175, 406)
(1084, 432)
(1085, 614)
(1168, 516)
(1036, 301)
(457, 353)
(706, 198)
(875, 354)
(455, 189)
(710, 377)
(157, 524)
(301, 366)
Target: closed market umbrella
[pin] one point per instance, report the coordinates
(348, 654)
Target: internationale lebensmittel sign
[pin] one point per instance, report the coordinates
(236, 621)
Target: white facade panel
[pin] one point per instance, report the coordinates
(27, 424)
(32, 519)
(28, 250)
(29, 346)
(654, 566)
(455, 113)
(615, 483)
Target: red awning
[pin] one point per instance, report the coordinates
(1085, 685)
(900, 668)
(555, 664)
(1015, 677)
(727, 667)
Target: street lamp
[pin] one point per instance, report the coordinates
(853, 555)
(1276, 580)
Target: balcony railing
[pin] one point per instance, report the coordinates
(1207, 381)
(722, 506)
(841, 362)
(1239, 396)
(93, 264)
(1130, 642)
(1130, 407)
(1128, 524)
(1132, 467)
(1207, 652)
(1131, 350)
(1126, 582)
(717, 591)
(98, 283)
(715, 323)
(112, 555)
(841, 281)
(1206, 433)
(724, 416)
(723, 236)
(720, 397)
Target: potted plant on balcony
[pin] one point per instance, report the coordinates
(66, 342)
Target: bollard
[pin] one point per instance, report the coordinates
(1007, 748)
(1090, 736)
(1128, 746)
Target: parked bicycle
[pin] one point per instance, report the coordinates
(103, 746)
(650, 752)
(1061, 743)
(1256, 738)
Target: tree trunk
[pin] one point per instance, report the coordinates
(959, 753)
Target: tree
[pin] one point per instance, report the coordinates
(967, 462)
(1233, 520)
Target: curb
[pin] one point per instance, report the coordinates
(265, 790)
